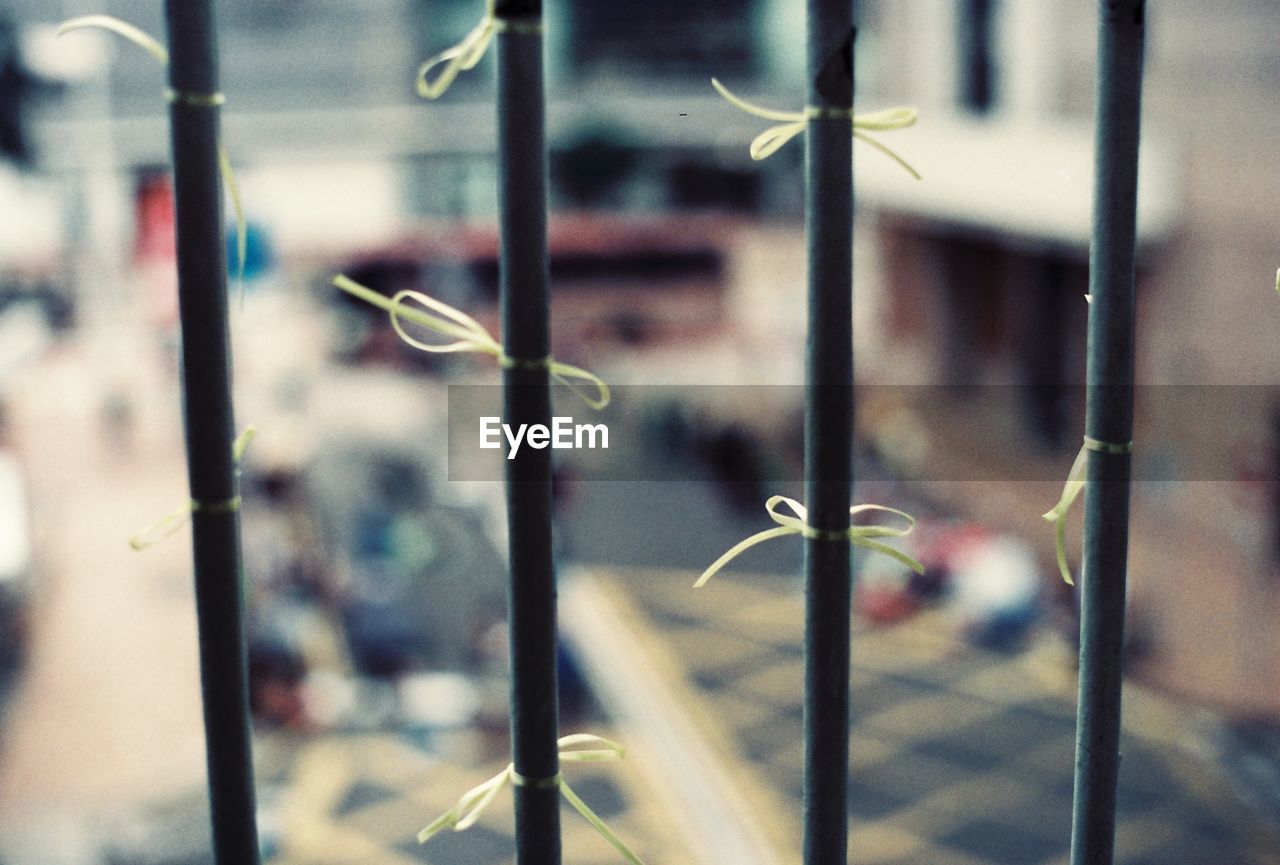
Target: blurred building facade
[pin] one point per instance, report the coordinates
(1205, 561)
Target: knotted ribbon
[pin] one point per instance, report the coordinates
(1071, 491)
(152, 46)
(470, 335)
(178, 517)
(795, 122)
(464, 814)
(859, 536)
(467, 53)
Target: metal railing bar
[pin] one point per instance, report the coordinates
(1109, 420)
(829, 411)
(210, 427)
(524, 305)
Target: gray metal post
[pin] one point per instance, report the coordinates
(1109, 419)
(828, 431)
(210, 427)
(525, 305)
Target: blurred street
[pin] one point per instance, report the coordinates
(958, 755)
(103, 749)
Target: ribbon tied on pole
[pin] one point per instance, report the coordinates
(792, 123)
(469, 335)
(471, 805)
(1070, 492)
(798, 524)
(178, 517)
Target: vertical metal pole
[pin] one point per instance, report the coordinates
(210, 427)
(828, 431)
(1108, 418)
(525, 304)
(1274, 467)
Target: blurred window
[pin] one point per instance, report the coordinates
(982, 56)
(663, 38)
(976, 31)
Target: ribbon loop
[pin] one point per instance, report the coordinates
(858, 536)
(1070, 492)
(792, 123)
(798, 523)
(576, 379)
(469, 335)
(467, 53)
(887, 119)
(771, 140)
(471, 805)
(162, 528)
(461, 57)
(605, 749)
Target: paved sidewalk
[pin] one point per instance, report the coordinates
(959, 756)
(107, 707)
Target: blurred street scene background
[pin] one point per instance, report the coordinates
(375, 576)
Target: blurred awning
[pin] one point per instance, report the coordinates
(1028, 182)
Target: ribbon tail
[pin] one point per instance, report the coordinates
(568, 741)
(599, 825)
(590, 757)
(573, 378)
(136, 35)
(738, 548)
(754, 110)
(241, 444)
(162, 528)
(237, 207)
(1058, 515)
(766, 143)
(885, 549)
(862, 136)
(462, 815)
(1060, 543)
(480, 799)
(444, 821)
